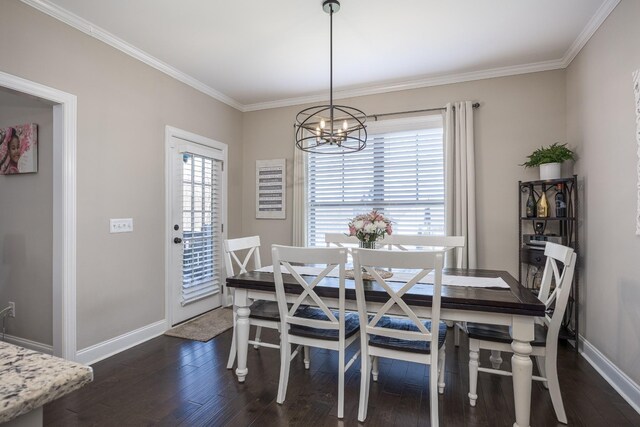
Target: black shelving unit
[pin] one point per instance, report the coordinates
(563, 230)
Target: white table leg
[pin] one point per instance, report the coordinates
(241, 303)
(522, 368)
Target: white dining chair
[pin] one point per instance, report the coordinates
(314, 325)
(264, 314)
(405, 337)
(547, 328)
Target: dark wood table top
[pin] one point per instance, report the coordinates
(515, 300)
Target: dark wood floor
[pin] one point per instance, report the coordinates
(171, 381)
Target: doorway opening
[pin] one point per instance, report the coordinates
(64, 208)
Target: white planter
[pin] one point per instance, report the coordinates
(550, 171)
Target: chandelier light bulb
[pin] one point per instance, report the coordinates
(322, 124)
(345, 125)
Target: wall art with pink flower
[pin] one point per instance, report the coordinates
(19, 149)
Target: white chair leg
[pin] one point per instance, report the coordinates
(257, 340)
(433, 393)
(441, 362)
(473, 371)
(456, 335)
(307, 357)
(365, 382)
(285, 360)
(232, 351)
(496, 359)
(540, 362)
(341, 364)
(551, 371)
(374, 370)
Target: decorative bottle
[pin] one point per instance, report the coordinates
(543, 205)
(531, 204)
(561, 202)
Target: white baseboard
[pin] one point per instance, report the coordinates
(107, 348)
(620, 381)
(32, 345)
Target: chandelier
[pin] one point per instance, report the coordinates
(330, 129)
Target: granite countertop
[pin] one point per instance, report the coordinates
(29, 379)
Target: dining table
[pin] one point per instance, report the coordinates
(510, 304)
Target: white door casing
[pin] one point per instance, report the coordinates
(196, 200)
(64, 209)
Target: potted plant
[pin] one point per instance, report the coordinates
(550, 160)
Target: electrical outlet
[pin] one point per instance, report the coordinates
(12, 313)
(121, 225)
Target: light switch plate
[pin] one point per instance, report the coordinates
(121, 225)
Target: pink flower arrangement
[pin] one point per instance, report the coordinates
(370, 227)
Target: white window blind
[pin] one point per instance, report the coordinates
(399, 173)
(201, 204)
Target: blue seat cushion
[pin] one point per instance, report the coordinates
(499, 333)
(351, 324)
(265, 310)
(406, 345)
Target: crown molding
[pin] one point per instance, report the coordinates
(87, 27)
(413, 84)
(589, 30)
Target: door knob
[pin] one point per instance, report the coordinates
(177, 240)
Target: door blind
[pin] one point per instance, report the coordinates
(401, 174)
(201, 204)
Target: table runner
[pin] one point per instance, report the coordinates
(448, 280)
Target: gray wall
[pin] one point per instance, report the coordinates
(601, 122)
(26, 227)
(123, 107)
(517, 114)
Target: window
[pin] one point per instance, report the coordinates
(201, 191)
(400, 173)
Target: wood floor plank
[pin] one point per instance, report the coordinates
(170, 381)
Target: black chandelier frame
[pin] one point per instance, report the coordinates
(310, 133)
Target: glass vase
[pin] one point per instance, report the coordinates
(367, 245)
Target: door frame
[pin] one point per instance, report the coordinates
(65, 119)
(173, 132)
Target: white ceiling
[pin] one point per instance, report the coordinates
(255, 54)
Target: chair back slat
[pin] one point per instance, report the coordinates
(339, 240)
(232, 246)
(395, 298)
(407, 242)
(422, 261)
(558, 297)
(558, 252)
(332, 258)
(308, 290)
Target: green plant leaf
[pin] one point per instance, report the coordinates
(554, 153)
